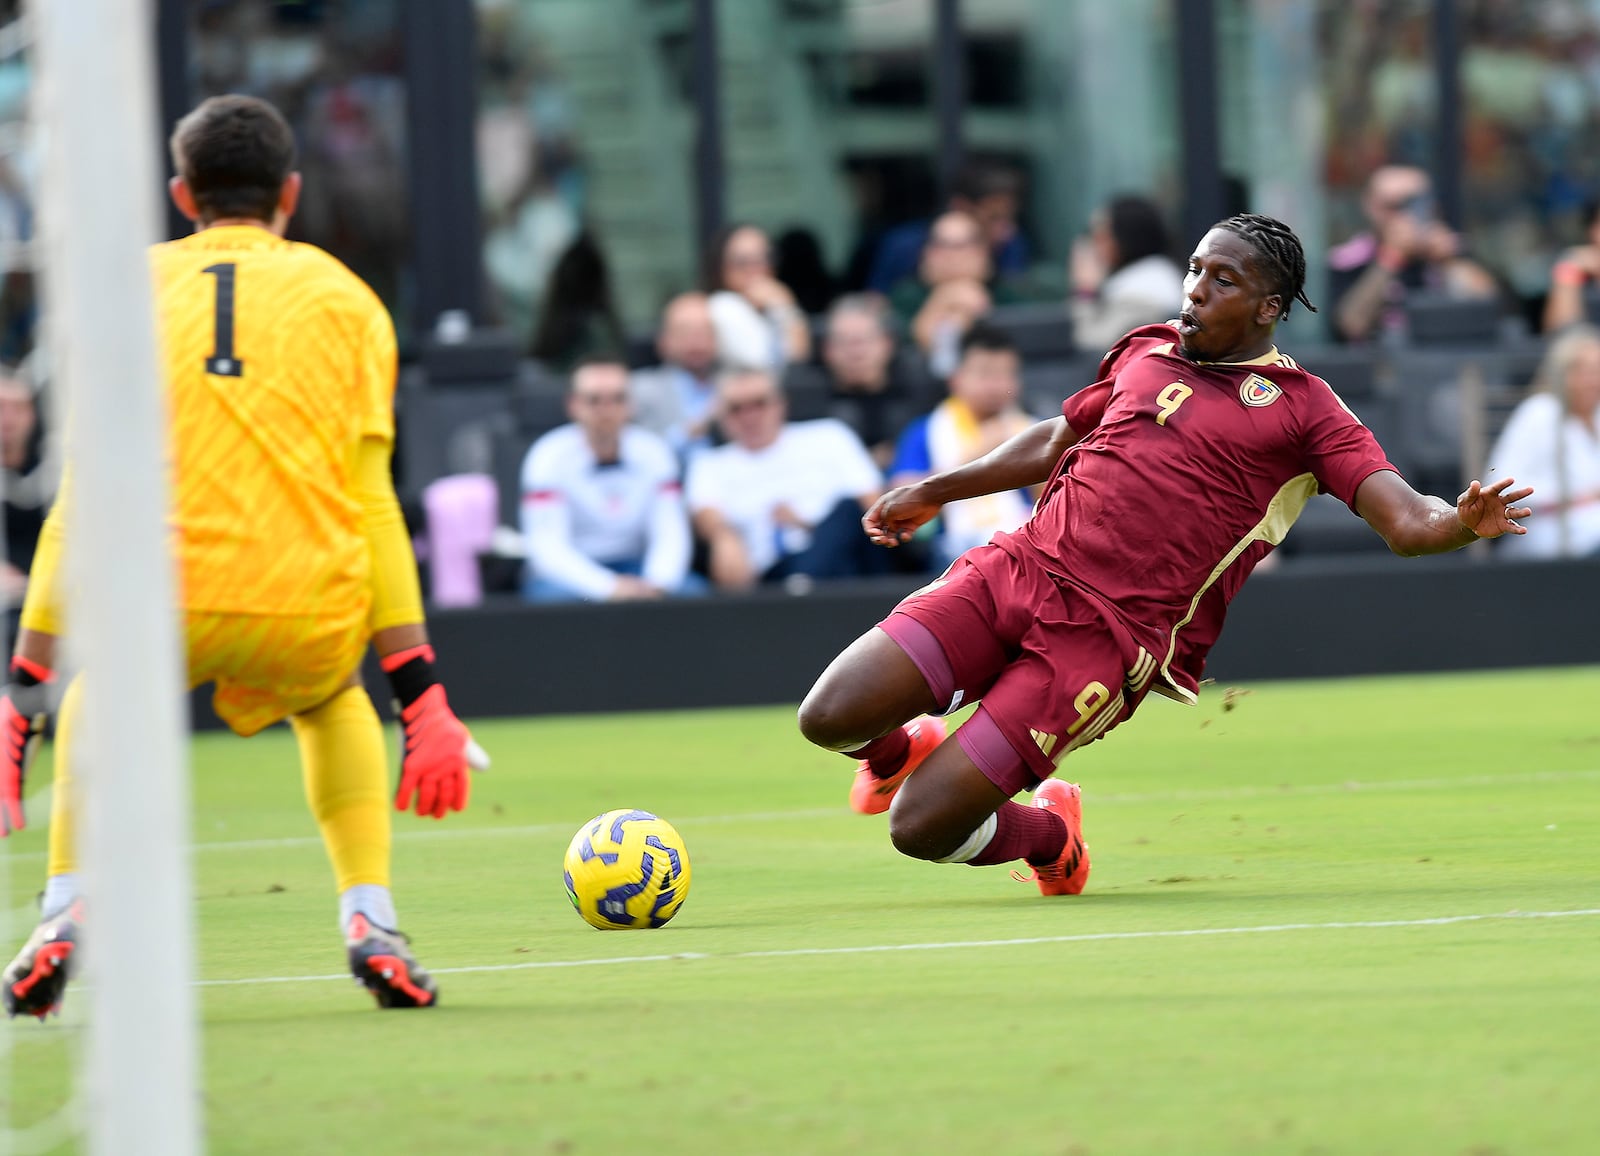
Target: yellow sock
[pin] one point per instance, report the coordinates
(346, 776)
(63, 858)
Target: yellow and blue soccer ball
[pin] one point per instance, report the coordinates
(627, 869)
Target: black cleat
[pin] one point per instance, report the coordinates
(37, 978)
(381, 960)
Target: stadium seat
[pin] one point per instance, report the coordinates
(1352, 370)
(443, 431)
(1434, 424)
(1046, 384)
(1327, 526)
(808, 393)
(1040, 331)
(1382, 415)
(510, 445)
(482, 355)
(1434, 319)
(538, 411)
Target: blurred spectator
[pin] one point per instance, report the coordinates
(781, 498)
(950, 292)
(873, 390)
(990, 195)
(980, 414)
(1406, 249)
(602, 511)
(580, 317)
(675, 399)
(29, 483)
(1575, 274)
(758, 323)
(1552, 443)
(1123, 275)
(802, 267)
(529, 175)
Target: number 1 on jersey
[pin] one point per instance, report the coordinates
(222, 362)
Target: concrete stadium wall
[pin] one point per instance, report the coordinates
(1359, 616)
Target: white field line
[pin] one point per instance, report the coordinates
(953, 945)
(1201, 795)
(1348, 787)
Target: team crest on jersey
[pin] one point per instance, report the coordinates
(1258, 391)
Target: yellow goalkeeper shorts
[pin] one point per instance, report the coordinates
(268, 667)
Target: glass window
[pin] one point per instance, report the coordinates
(1080, 98)
(18, 174)
(1530, 78)
(335, 71)
(585, 138)
(1328, 91)
(829, 131)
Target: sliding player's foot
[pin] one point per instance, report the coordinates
(381, 960)
(1069, 873)
(34, 983)
(872, 795)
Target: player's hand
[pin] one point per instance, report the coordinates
(1440, 242)
(24, 708)
(898, 515)
(1404, 235)
(438, 756)
(1085, 271)
(1490, 511)
(439, 752)
(1585, 257)
(632, 589)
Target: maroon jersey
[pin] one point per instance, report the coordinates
(1185, 476)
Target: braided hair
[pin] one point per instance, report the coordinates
(1279, 250)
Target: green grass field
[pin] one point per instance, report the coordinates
(1345, 917)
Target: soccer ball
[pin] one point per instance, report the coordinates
(627, 869)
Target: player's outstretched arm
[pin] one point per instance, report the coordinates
(1414, 524)
(1025, 460)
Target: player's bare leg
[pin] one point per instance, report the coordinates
(950, 812)
(873, 703)
(872, 688)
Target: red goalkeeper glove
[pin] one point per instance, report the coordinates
(438, 750)
(24, 707)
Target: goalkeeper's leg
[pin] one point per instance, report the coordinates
(347, 785)
(35, 980)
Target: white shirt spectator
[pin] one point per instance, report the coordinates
(579, 514)
(1141, 292)
(746, 337)
(1559, 457)
(811, 468)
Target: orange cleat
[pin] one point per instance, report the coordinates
(1068, 874)
(871, 795)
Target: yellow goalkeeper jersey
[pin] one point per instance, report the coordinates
(278, 362)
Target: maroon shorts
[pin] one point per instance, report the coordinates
(1053, 670)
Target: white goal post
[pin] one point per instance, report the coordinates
(99, 208)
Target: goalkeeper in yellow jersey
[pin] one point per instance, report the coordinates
(279, 366)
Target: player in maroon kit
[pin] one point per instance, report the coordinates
(1166, 481)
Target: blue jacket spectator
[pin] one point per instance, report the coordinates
(980, 414)
(993, 196)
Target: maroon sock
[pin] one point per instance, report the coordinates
(1031, 833)
(887, 755)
